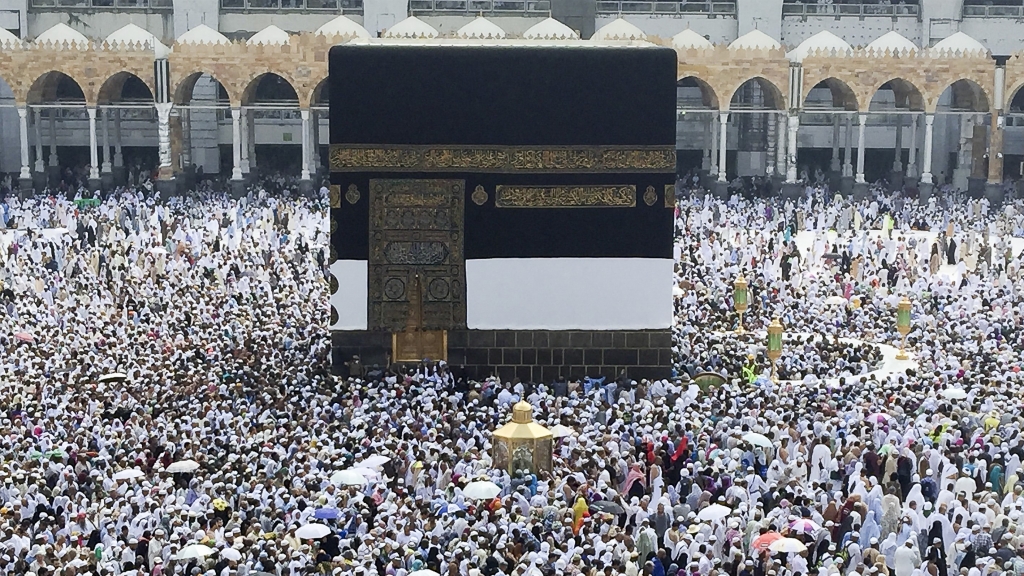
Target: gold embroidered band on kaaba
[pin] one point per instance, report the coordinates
(617, 196)
(501, 159)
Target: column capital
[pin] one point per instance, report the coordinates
(862, 118)
(91, 111)
(23, 111)
(236, 112)
(723, 116)
(304, 113)
(929, 119)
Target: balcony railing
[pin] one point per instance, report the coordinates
(800, 10)
(105, 4)
(539, 7)
(342, 6)
(993, 11)
(711, 9)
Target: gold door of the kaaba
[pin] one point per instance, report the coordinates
(416, 240)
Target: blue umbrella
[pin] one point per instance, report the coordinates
(326, 513)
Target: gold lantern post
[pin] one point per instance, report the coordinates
(903, 326)
(522, 444)
(739, 299)
(774, 345)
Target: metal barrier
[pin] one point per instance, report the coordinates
(801, 10)
(101, 4)
(538, 7)
(711, 9)
(339, 6)
(980, 11)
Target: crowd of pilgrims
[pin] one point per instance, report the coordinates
(139, 334)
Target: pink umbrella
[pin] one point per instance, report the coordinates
(25, 336)
(878, 418)
(804, 525)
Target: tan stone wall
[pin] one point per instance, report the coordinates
(239, 67)
(724, 70)
(25, 69)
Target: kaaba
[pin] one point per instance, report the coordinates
(508, 209)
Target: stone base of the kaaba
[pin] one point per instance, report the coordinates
(924, 192)
(25, 186)
(721, 190)
(976, 187)
(861, 190)
(792, 190)
(238, 188)
(166, 188)
(846, 185)
(995, 194)
(530, 355)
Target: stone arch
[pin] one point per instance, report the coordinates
(775, 99)
(843, 96)
(709, 98)
(54, 86)
(248, 94)
(112, 89)
(906, 93)
(322, 88)
(183, 89)
(967, 95)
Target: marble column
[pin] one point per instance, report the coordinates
(860, 147)
(244, 139)
(926, 152)
(118, 156)
(37, 125)
(714, 144)
(236, 143)
(897, 165)
(53, 137)
(848, 155)
(26, 170)
(306, 136)
(105, 168)
(94, 161)
(163, 114)
(912, 155)
(780, 145)
(723, 119)
(835, 143)
(791, 165)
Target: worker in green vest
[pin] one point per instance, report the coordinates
(750, 369)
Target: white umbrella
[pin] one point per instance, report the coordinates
(374, 462)
(787, 545)
(677, 291)
(368, 473)
(757, 439)
(312, 531)
(348, 478)
(424, 573)
(129, 474)
(483, 490)
(113, 376)
(714, 512)
(158, 250)
(561, 431)
(183, 466)
(193, 551)
(836, 301)
(954, 393)
(231, 554)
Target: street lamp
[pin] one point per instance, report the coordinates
(739, 299)
(903, 326)
(774, 345)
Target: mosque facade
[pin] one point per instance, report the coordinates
(848, 92)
